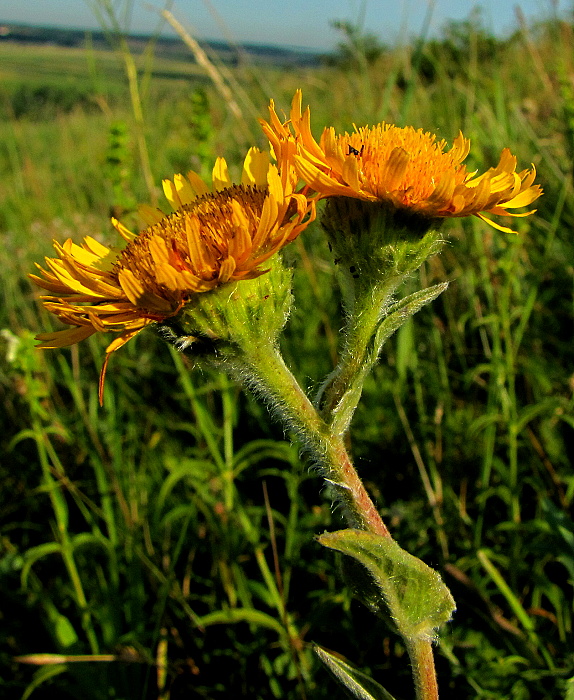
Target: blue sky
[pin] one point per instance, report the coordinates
(284, 22)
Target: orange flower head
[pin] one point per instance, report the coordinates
(212, 238)
(406, 167)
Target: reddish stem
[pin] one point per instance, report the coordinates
(424, 674)
(363, 508)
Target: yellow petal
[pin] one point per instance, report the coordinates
(197, 251)
(444, 191)
(63, 274)
(168, 276)
(184, 189)
(351, 173)
(194, 284)
(131, 285)
(80, 254)
(171, 194)
(505, 229)
(394, 169)
(197, 184)
(319, 181)
(117, 343)
(460, 148)
(158, 250)
(265, 225)
(220, 175)
(50, 284)
(150, 215)
(239, 246)
(255, 168)
(226, 270)
(61, 339)
(524, 198)
(275, 185)
(96, 247)
(124, 232)
(333, 153)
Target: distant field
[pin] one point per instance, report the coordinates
(36, 63)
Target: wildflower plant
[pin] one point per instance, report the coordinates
(209, 278)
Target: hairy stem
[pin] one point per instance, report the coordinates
(359, 353)
(424, 674)
(263, 368)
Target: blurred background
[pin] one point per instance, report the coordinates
(170, 534)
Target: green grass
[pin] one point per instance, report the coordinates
(179, 514)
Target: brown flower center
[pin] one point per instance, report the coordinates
(216, 230)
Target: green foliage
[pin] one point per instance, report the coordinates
(43, 101)
(418, 600)
(359, 49)
(357, 684)
(146, 521)
(459, 44)
(119, 168)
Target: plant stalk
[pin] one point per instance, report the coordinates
(424, 674)
(359, 354)
(265, 370)
(262, 365)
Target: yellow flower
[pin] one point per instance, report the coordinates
(404, 166)
(211, 239)
(185, 189)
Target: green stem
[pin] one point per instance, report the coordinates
(368, 298)
(67, 549)
(424, 674)
(240, 332)
(262, 365)
(132, 75)
(358, 354)
(267, 372)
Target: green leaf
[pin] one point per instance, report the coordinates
(570, 689)
(192, 469)
(60, 626)
(525, 619)
(41, 676)
(547, 406)
(84, 539)
(32, 555)
(417, 599)
(356, 683)
(365, 588)
(63, 631)
(397, 315)
(405, 309)
(235, 615)
(406, 356)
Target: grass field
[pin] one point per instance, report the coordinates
(174, 528)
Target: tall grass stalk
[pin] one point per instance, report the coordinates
(108, 17)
